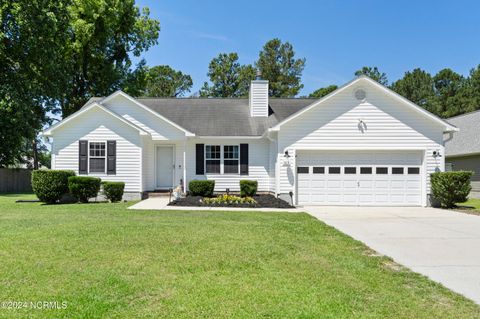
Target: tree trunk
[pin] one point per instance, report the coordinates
(35, 153)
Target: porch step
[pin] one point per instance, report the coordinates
(160, 193)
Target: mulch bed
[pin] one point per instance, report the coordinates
(263, 201)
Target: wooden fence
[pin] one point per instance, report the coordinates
(15, 180)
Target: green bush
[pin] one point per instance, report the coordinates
(449, 188)
(248, 188)
(201, 188)
(113, 190)
(50, 185)
(84, 187)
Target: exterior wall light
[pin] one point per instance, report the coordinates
(436, 154)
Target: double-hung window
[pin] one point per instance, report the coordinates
(212, 159)
(97, 157)
(222, 159)
(230, 159)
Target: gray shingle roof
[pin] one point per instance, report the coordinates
(221, 116)
(467, 140)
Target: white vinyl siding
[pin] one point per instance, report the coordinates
(98, 126)
(258, 164)
(335, 125)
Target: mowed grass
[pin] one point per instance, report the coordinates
(472, 206)
(109, 262)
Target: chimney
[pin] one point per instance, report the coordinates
(258, 97)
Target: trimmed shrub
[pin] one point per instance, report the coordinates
(113, 190)
(84, 187)
(50, 185)
(449, 188)
(248, 188)
(201, 188)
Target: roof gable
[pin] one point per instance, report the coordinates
(142, 106)
(366, 81)
(94, 105)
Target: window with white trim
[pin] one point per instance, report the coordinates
(231, 159)
(222, 159)
(97, 157)
(212, 159)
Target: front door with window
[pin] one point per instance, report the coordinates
(164, 167)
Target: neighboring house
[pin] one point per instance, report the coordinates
(362, 144)
(462, 149)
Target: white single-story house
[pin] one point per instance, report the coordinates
(362, 144)
(462, 149)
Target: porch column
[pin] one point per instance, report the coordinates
(184, 165)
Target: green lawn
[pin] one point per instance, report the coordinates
(472, 206)
(107, 261)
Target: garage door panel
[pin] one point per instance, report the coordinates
(334, 184)
(379, 184)
(317, 184)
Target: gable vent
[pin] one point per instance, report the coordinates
(360, 94)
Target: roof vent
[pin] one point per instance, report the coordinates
(360, 95)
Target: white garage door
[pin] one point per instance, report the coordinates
(359, 178)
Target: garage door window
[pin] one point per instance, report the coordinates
(366, 170)
(350, 170)
(381, 170)
(302, 170)
(413, 170)
(397, 170)
(334, 170)
(319, 170)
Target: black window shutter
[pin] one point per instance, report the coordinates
(82, 157)
(199, 159)
(243, 159)
(111, 157)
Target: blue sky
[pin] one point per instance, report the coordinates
(335, 37)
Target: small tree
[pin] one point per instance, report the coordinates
(450, 188)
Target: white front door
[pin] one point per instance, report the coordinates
(164, 167)
(359, 178)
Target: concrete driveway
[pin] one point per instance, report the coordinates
(440, 244)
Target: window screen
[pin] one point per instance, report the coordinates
(97, 157)
(212, 159)
(230, 159)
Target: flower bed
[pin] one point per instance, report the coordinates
(257, 201)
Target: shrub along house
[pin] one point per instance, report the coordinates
(360, 145)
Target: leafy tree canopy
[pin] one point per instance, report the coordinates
(228, 77)
(374, 74)
(321, 92)
(163, 81)
(278, 65)
(417, 86)
(97, 56)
